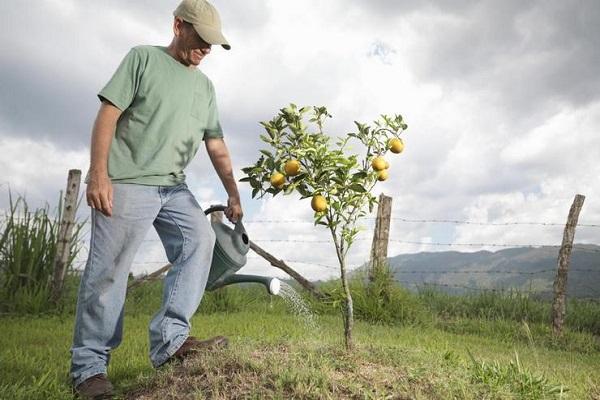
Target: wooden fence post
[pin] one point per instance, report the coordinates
(564, 255)
(67, 222)
(381, 235)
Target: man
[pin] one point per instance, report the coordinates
(155, 111)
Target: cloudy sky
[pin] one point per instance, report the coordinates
(502, 99)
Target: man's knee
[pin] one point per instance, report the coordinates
(203, 238)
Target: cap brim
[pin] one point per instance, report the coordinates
(212, 36)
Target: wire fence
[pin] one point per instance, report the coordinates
(437, 274)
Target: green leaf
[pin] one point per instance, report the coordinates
(289, 189)
(303, 190)
(270, 164)
(357, 187)
(245, 179)
(299, 177)
(360, 175)
(266, 153)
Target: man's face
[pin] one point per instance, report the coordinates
(191, 49)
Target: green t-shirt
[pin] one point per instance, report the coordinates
(168, 109)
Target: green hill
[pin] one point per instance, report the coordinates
(525, 269)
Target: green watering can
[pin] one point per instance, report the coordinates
(229, 255)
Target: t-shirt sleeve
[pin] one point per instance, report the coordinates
(122, 87)
(213, 126)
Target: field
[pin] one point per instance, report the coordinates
(428, 353)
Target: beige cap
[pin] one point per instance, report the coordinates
(205, 19)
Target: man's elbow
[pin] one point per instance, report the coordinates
(214, 144)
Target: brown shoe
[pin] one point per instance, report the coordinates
(194, 346)
(97, 387)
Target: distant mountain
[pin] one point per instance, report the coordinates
(525, 269)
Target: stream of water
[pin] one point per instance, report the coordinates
(298, 306)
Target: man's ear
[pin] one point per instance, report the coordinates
(177, 26)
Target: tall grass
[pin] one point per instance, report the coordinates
(378, 301)
(512, 379)
(29, 242)
(582, 315)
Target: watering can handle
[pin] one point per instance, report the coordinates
(215, 208)
(239, 227)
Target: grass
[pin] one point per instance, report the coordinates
(427, 345)
(582, 316)
(272, 355)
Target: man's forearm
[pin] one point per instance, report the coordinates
(102, 134)
(219, 156)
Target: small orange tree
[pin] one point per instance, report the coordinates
(302, 159)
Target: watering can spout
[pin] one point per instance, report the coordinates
(273, 285)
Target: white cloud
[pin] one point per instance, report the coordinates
(502, 117)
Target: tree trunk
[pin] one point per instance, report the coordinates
(348, 309)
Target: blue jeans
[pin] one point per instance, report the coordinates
(188, 239)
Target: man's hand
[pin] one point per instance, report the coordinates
(233, 212)
(99, 193)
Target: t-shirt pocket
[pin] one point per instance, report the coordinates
(200, 106)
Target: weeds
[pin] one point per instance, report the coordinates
(29, 243)
(514, 379)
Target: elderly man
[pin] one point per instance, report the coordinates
(154, 113)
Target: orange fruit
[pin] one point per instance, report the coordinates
(318, 203)
(292, 167)
(277, 180)
(378, 163)
(382, 175)
(396, 145)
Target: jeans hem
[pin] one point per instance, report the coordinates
(88, 374)
(169, 352)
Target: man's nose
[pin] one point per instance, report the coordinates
(206, 49)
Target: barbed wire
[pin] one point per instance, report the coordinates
(442, 221)
(467, 271)
(329, 241)
(403, 220)
(481, 289)
(399, 271)
(533, 246)
(430, 271)
(497, 290)
(508, 223)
